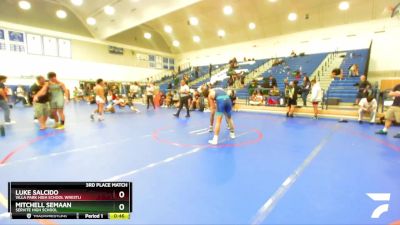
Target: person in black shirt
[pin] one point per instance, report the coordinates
(196, 72)
(364, 89)
(41, 104)
(293, 91)
(393, 114)
(268, 84)
(184, 99)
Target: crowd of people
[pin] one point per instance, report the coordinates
(48, 96)
(268, 93)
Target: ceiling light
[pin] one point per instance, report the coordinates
(273, 1)
(252, 26)
(77, 2)
(228, 10)
(193, 21)
(61, 14)
(168, 29)
(109, 10)
(344, 6)
(25, 5)
(147, 35)
(91, 21)
(176, 43)
(292, 16)
(221, 33)
(196, 39)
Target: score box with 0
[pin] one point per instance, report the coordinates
(71, 197)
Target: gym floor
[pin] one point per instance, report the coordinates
(277, 170)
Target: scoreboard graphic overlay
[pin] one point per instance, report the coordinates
(70, 200)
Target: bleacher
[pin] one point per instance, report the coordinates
(164, 84)
(308, 64)
(204, 71)
(254, 66)
(344, 90)
(250, 67)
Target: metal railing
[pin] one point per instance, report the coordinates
(204, 76)
(327, 63)
(257, 72)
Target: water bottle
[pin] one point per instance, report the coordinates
(2, 131)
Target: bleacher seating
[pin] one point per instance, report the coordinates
(204, 71)
(308, 64)
(164, 84)
(242, 66)
(345, 89)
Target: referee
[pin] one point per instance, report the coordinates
(184, 92)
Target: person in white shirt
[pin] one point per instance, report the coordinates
(149, 95)
(256, 99)
(184, 100)
(21, 97)
(367, 105)
(134, 89)
(316, 96)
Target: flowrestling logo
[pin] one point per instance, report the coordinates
(384, 198)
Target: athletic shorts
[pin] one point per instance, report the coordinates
(99, 100)
(292, 102)
(393, 114)
(224, 106)
(315, 103)
(41, 109)
(57, 103)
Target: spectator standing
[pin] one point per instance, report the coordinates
(305, 90)
(393, 114)
(196, 72)
(286, 90)
(150, 95)
(292, 95)
(316, 96)
(134, 90)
